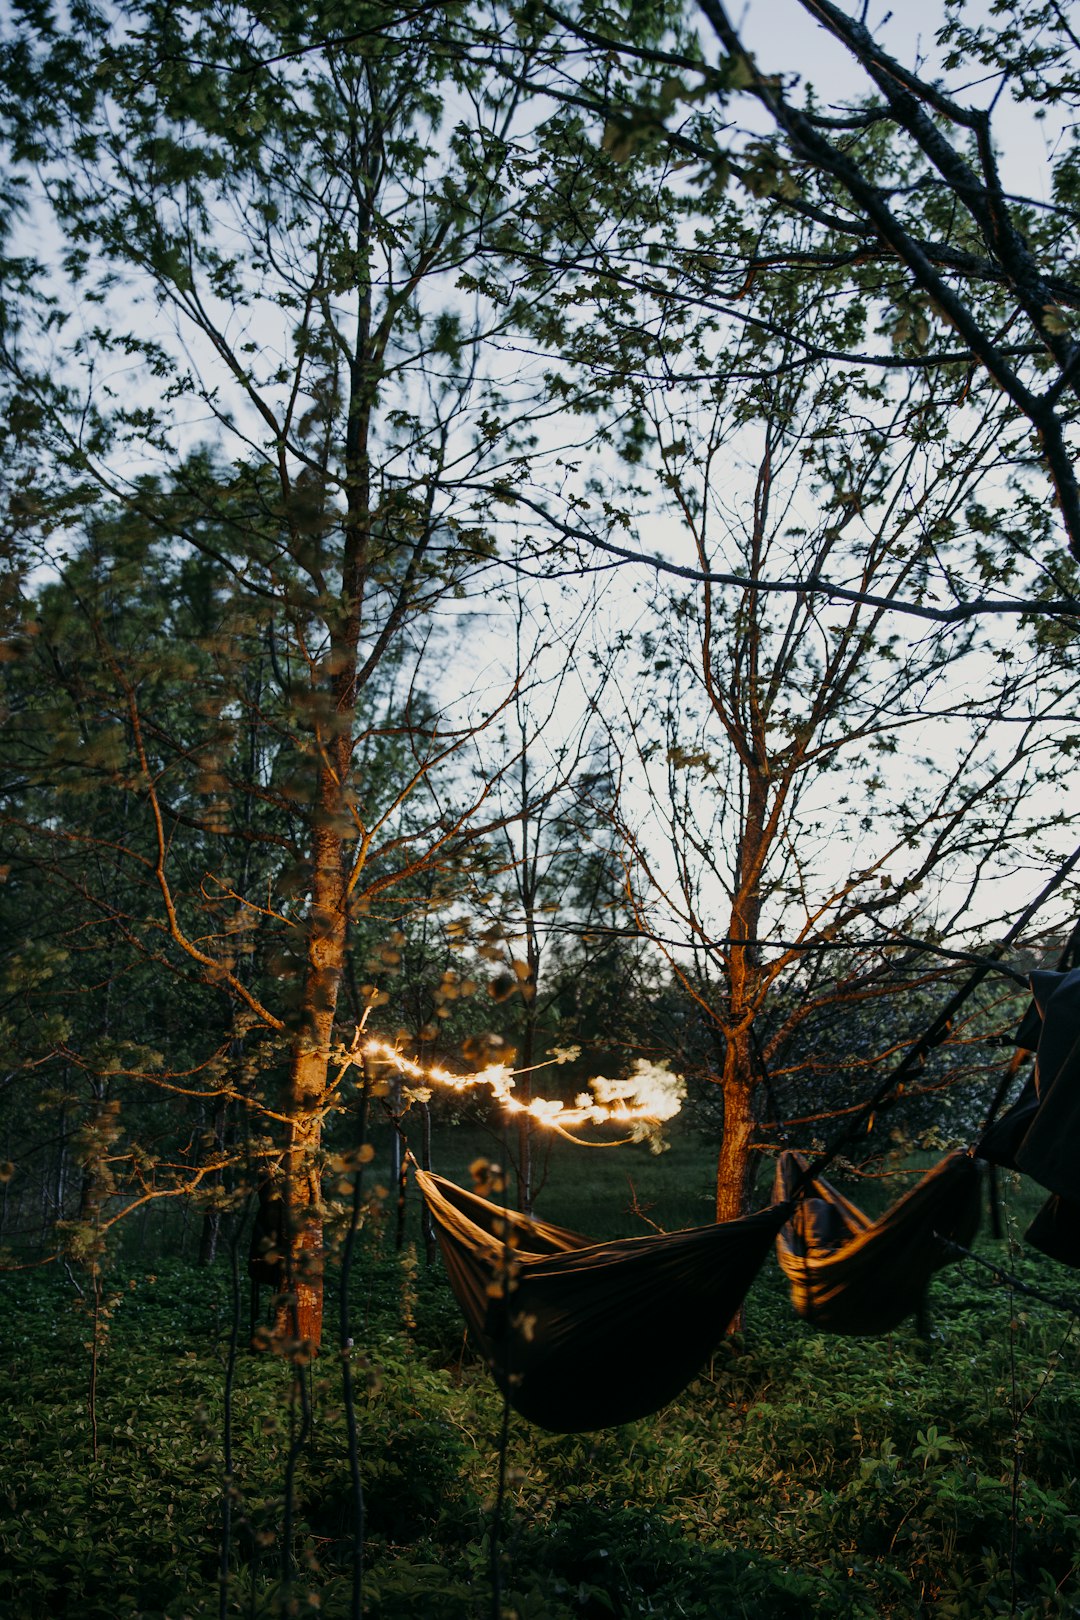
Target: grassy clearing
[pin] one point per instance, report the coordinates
(591, 1189)
(799, 1476)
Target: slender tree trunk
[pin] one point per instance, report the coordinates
(310, 1064)
(395, 1101)
(52, 1202)
(525, 1144)
(734, 1164)
(211, 1221)
(328, 928)
(427, 1225)
(528, 887)
(208, 1237)
(5, 1184)
(61, 1167)
(739, 1076)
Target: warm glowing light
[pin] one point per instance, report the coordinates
(644, 1101)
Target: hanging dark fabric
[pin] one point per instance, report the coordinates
(998, 1144)
(1026, 1039)
(1048, 1151)
(849, 1274)
(1001, 1138)
(1040, 1133)
(1056, 1230)
(584, 1335)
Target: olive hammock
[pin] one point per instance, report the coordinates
(584, 1335)
(851, 1274)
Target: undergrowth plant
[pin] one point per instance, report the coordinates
(800, 1475)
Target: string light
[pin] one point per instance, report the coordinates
(644, 1101)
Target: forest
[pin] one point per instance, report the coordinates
(539, 879)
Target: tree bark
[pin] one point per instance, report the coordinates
(733, 1168)
(310, 1064)
(739, 1075)
(211, 1221)
(328, 923)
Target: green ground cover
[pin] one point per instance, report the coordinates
(799, 1476)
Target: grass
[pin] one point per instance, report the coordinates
(591, 1189)
(799, 1476)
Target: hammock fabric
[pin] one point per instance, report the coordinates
(849, 1274)
(1040, 1133)
(583, 1335)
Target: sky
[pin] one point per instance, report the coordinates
(786, 39)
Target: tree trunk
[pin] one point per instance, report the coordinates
(304, 1216)
(739, 1074)
(211, 1221)
(734, 1165)
(310, 1065)
(327, 927)
(734, 1168)
(525, 1167)
(61, 1166)
(208, 1237)
(427, 1225)
(394, 1099)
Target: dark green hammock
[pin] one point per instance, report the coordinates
(849, 1274)
(1040, 1133)
(582, 1335)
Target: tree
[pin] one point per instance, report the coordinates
(986, 267)
(787, 314)
(266, 228)
(339, 238)
(895, 203)
(807, 802)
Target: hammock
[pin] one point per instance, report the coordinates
(1040, 1133)
(583, 1335)
(849, 1274)
(1048, 1149)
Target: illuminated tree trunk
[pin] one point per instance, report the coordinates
(327, 927)
(309, 1070)
(528, 1058)
(734, 1176)
(734, 1167)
